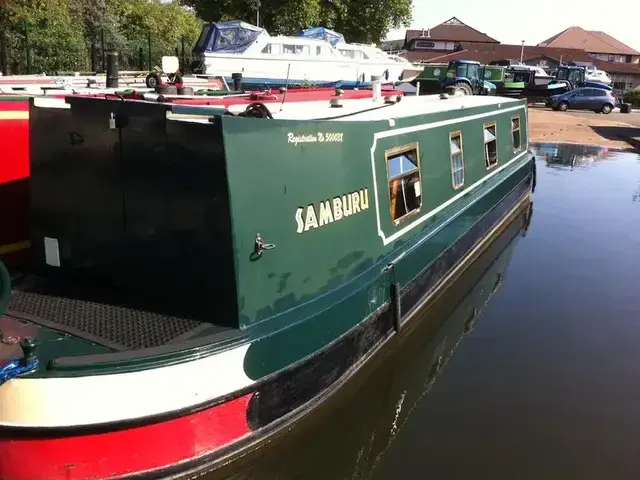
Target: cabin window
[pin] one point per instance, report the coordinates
(318, 50)
(403, 172)
(490, 146)
(295, 49)
(515, 133)
(457, 160)
(353, 54)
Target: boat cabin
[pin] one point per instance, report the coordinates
(245, 39)
(316, 56)
(153, 197)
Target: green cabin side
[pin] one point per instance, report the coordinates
(290, 178)
(494, 73)
(432, 72)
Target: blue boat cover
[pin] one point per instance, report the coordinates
(227, 37)
(323, 33)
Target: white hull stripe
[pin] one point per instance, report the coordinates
(14, 115)
(91, 400)
(427, 126)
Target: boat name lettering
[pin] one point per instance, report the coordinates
(331, 210)
(320, 137)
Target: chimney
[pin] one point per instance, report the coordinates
(422, 33)
(428, 33)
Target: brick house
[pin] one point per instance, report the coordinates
(598, 45)
(444, 38)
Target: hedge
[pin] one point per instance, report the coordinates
(633, 97)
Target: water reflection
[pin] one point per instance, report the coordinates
(546, 387)
(569, 155)
(349, 435)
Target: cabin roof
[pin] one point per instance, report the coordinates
(592, 41)
(362, 109)
(452, 30)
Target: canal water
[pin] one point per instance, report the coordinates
(527, 368)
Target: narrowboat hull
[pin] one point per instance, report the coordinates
(160, 411)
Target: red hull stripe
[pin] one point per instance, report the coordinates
(15, 149)
(14, 105)
(124, 452)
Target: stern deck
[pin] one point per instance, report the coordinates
(105, 316)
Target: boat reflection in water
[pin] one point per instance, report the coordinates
(348, 435)
(568, 155)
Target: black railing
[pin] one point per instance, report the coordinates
(20, 54)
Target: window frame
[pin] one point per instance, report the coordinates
(274, 49)
(493, 124)
(393, 152)
(453, 182)
(519, 130)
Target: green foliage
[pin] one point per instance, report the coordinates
(358, 20)
(49, 25)
(60, 32)
(133, 21)
(632, 97)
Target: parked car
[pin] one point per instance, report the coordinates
(596, 99)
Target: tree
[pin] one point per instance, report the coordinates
(368, 21)
(166, 22)
(92, 14)
(55, 41)
(358, 20)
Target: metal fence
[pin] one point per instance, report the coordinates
(20, 54)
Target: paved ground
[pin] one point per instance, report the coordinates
(632, 118)
(615, 130)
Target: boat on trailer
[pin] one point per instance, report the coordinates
(316, 57)
(205, 275)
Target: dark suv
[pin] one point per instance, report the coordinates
(586, 98)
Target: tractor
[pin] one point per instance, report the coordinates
(465, 77)
(575, 77)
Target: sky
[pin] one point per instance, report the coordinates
(511, 21)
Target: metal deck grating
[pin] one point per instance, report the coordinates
(115, 326)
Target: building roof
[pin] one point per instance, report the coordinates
(592, 41)
(452, 30)
(486, 53)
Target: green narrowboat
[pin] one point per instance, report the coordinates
(429, 79)
(203, 276)
(494, 74)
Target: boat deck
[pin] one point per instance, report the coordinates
(353, 109)
(105, 316)
(304, 104)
